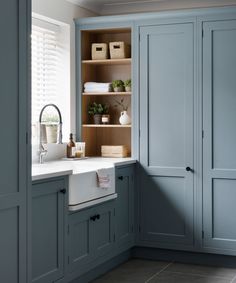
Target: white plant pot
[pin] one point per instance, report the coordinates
(124, 118)
(51, 131)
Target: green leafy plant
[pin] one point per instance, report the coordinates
(127, 83)
(49, 118)
(98, 108)
(117, 83)
(120, 103)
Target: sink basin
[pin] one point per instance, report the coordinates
(83, 184)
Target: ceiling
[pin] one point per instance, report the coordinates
(106, 7)
(98, 6)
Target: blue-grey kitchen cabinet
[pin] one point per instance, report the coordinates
(219, 151)
(166, 134)
(14, 124)
(91, 236)
(124, 214)
(49, 199)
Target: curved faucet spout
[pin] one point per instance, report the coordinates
(59, 135)
(42, 150)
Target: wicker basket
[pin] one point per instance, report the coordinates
(119, 50)
(114, 151)
(99, 51)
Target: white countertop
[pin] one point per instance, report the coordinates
(65, 167)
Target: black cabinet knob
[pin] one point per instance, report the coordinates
(189, 169)
(121, 178)
(93, 218)
(98, 216)
(63, 191)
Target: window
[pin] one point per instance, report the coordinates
(50, 72)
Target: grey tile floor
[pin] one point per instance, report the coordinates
(147, 271)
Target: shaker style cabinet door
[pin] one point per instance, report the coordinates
(13, 126)
(125, 207)
(48, 212)
(166, 141)
(219, 143)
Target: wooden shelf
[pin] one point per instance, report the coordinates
(108, 93)
(105, 126)
(125, 61)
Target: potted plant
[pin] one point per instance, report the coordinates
(127, 85)
(51, 124)
(105, 115)
(97, 110)
(118, 85)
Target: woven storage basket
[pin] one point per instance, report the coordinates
(119, 50)
(114, 151)
(99, 51)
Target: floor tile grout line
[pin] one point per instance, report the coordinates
(156, 274)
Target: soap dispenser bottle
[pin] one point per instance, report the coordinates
(71, 147)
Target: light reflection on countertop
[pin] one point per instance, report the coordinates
(66, 167)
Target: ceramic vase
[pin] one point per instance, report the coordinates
(124, 118)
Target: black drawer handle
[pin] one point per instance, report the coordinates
(93, 218)
(188, 169)
(63, 191)
(121, 178)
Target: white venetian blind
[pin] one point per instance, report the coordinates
(49, 83)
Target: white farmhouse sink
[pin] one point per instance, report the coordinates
(83, 184)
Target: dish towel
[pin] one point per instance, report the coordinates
(104, 180)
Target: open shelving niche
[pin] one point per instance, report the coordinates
(104, 71)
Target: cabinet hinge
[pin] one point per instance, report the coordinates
(202, 33)
(202, 234)
(202, 134)
(114, 237)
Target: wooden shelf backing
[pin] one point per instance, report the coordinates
(105, 126)
(107, 93)
(125, 61)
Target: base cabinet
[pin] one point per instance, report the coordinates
(48, 212)
(125, 207)
(91, 235)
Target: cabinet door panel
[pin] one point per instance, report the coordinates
(125, 206)
(166, 87)
(103, 229)
(14, 95)
(47, 231)
(219, 116)
(80, 249)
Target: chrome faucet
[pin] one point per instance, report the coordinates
(42, 150)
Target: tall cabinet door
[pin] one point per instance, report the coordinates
(166, 142)
(13, 121)
(219, 143)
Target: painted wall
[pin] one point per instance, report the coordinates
(162, 5)
(63, 11)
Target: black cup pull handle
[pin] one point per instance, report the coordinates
(63, 191)
(189, 169)
(121, 178)
(93, 218)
